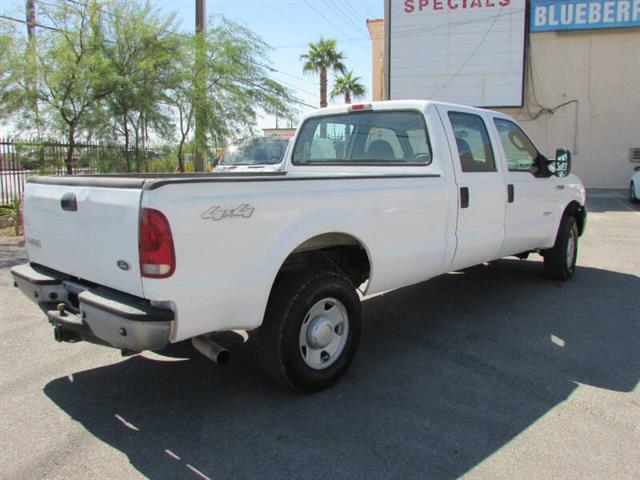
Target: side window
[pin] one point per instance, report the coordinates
(520, 152)
(474, 145)
(364, 138)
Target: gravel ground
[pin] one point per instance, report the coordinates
(495, 372)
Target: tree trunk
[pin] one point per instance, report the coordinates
(181, 156)
(347, 98)
(136, 133)
(71, 143)
(126, 143)
(323, 87)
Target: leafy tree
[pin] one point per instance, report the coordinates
(237, 85)
(72, 73)
(349, 86)
(116, 71)
(15, 70)
(142, 52)
(322, 57)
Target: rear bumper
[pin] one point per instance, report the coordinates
(93, 313)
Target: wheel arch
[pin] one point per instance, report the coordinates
(334, 251)
(578, 212)
(333, 233)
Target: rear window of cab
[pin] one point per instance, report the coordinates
(364, 138)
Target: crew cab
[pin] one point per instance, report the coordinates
(374, 197)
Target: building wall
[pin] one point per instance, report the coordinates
(596, 74)
(600, 72)
(376, 32)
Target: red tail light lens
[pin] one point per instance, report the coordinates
(157, 255)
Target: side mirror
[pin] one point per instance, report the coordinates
(562, 165)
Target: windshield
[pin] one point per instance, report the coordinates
(256, 151)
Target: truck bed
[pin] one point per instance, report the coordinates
(141, 180)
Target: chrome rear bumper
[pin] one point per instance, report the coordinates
(83, 312)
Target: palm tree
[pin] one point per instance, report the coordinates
(323, 56)
(349, 86)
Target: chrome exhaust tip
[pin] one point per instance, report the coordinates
(211, 349)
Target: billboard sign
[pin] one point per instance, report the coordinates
(554, 15)
(461, 51)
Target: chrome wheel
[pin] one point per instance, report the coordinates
(323, 333)
(571, 249)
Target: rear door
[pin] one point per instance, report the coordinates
(85, 231)
(481, 188)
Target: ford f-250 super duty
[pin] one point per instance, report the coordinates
(374, 197)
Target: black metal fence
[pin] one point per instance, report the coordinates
(20, 159)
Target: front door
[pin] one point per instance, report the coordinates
(529, 220)
(481, 188)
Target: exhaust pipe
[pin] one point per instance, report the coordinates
(211, 349)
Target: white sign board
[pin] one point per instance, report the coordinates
(460, 51)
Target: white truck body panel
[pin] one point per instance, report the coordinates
(408, 219)
(401, 221)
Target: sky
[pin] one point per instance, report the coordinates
(288, 26)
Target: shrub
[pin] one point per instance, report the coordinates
(14, 213)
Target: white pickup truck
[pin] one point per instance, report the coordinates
(374, 197)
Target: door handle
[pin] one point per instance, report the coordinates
(464, 197)
(68, 202)
(510, 193)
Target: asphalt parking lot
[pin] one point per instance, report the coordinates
(495, 372)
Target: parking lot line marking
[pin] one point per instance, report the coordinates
(628, 207)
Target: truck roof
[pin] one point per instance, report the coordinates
(385, 105)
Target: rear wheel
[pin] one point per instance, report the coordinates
(311, 330)
(560, 261)
(633, 198)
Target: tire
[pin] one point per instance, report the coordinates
(560, 261)
(632, 194)
(292, 341)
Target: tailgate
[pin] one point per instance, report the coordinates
(90, 232)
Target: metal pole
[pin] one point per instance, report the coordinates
(31, 52)
(31, 19)
(200, 97)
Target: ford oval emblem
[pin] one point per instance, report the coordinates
(123, 265)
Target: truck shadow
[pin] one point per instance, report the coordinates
(448, 372)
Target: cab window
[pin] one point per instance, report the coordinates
(520, 152)
(472, 140)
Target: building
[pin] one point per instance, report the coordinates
(580, 74)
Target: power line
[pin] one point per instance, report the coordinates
(344, 15)
(412, 32)
(455, 75)
(329, 21)
(286, 16)
(282, 95)
(39, 25)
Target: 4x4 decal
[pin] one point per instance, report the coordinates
(218, 213)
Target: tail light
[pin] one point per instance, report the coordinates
(157, 255)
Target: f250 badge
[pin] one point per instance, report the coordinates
(218, 213)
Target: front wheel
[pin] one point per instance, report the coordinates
(632, 194)
(560, 261)
(311, 330)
